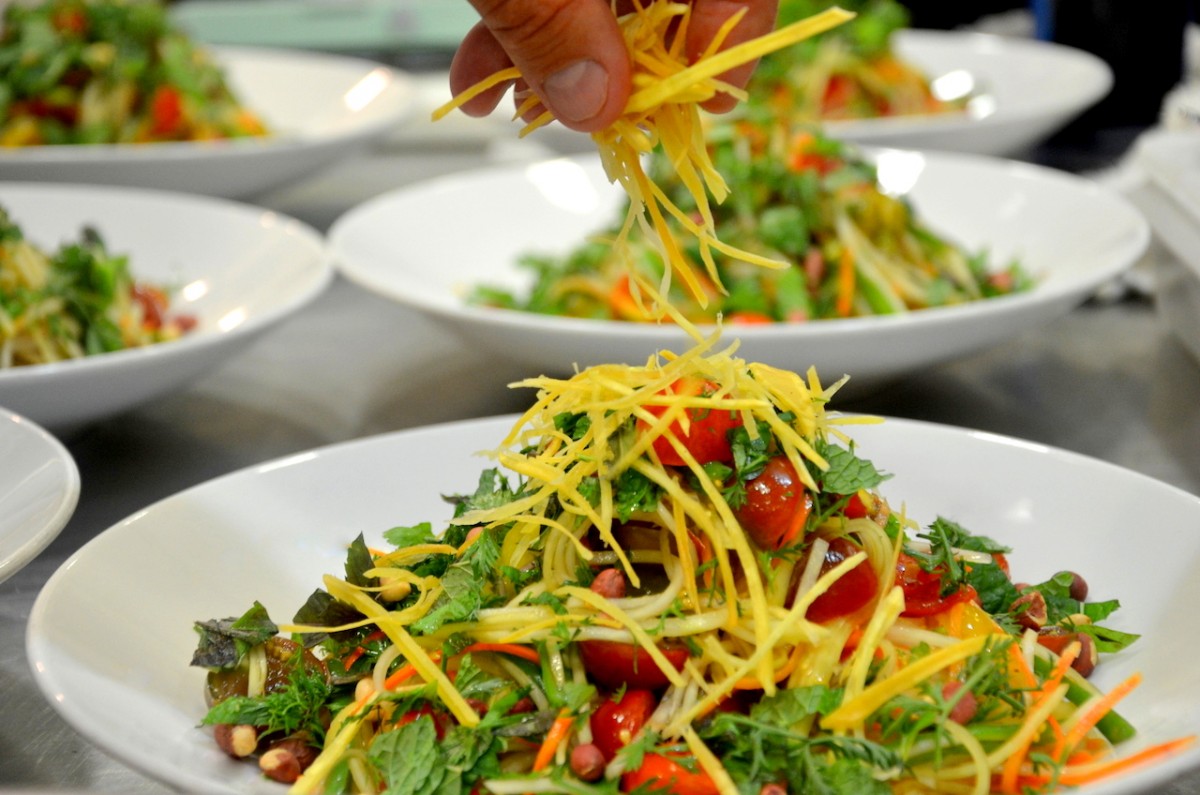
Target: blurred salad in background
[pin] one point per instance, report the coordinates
(110, 71)
(795, 196)
(850, 72)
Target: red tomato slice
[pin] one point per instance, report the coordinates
(619, 665)
(616, 721)
(922, 589)
(660, 773)
(705, 438)
(852, 591)
(777, 506)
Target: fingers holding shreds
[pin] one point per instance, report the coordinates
(570, 52)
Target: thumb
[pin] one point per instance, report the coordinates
(570, 52)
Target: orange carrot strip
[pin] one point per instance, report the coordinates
(554, 738)
(845, 293)
(1022, 669)
(1073, 778)
(406, 672)
(513, 649)
(1098, 709)
(1068, 656)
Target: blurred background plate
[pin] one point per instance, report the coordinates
(111, 633)
(39, 487)
(237, 269)
(426, 246)
(1026, 90)
(321, 108)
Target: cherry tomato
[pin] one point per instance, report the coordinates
(616, 721)
(281, 654)
(660, 773)
(923, 589)
(851, 592)
(618, 665)
(706, 437)
(154, 305)
(777, 506)
(855, 507)
(749, 318)
(166, 110)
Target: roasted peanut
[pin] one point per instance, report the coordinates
(587, 762)
(610, 583)
(238, 741)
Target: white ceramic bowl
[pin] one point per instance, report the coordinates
(321, 107)
(426, 245)
(39, 488)
(1027, 89)
(111, 633)
(238, 269)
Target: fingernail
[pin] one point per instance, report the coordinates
(577, 93)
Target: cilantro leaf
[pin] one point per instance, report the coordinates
(298, 706)
(634, 493)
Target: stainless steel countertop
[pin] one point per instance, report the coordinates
(1108, 380)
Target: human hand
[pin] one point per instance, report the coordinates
(573, 56)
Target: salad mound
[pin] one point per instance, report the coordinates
(110, 71)
(678, 578)
(845, 247)
(78, 301)
(852, 72)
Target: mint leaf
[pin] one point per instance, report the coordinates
(409, 759)
(223, 642)
(402, 537)
(847, 473)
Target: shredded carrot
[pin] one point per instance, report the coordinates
(1068, 656)
(406, 672)
(1091, 713)
(845, 293)
(359, 651)
(554, 738)
(514, 649)
(1098, 770)
(1022, 672)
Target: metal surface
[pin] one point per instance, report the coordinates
(1108, 381)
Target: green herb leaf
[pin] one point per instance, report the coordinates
(223, 642)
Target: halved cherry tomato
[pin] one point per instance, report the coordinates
(617, 720)
(777, 506)
(855, 507)
(661, 773)
(618, 665)
(706, 437)
(923, 589)
(851, 592)
(166, 110)
(153, 302)
(749, 318)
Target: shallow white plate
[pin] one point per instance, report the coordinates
(320, 107)
(111, 634)
(426, 245)
(39, 487)
(1027, 89)
(236, 268)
